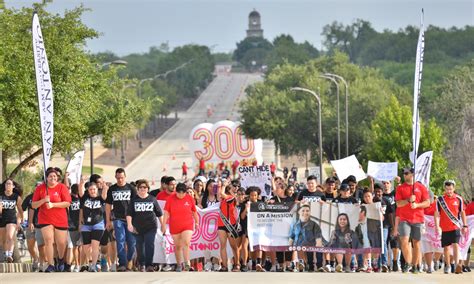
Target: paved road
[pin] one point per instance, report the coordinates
(237, 278)
(223, 96)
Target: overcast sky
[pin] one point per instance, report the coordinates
(133, 26)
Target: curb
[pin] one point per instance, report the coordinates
(15, 267)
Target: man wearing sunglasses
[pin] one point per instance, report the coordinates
(411, 198)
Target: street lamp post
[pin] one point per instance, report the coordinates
(122, 150)
(91, 138)
(320, 129)
(338, 115)
(346, 86)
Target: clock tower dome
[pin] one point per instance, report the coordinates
(255, 27)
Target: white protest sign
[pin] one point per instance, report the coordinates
(74, 167)
(348, 166)
(314, 171)
(259, 176)
(382, 171)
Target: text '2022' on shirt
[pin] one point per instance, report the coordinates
(144, 212)
(92, 209)
(120, 197)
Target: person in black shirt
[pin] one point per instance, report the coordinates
(294, 172)
(30, 231)
(242, 240)
(119, 196)
(313, 192)
(283, 257)
(387, 223)
(107, 242)
(290, 193)
(225, 173)
(11, 217)
(345, 195)
(163, 185)
(285, 172)
(74, 236)
(91, 223)
(330, 189)
(142, 215)
(356, 192)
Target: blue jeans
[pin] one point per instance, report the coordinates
(146, 247)
(122, 235)
(383, 257)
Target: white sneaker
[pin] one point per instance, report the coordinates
(208, 266)
(113, 268)
(76, 268)
(274, 268)
(339, 268)
(216, 267)
(327, 268)
(167, 268)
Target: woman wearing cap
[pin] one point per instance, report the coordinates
(11, 216)
(345, 195)
(180, 209)
(52, 198)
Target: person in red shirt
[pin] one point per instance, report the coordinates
(411, 197)
(202, 167)
(273, 169)
(448, 216)
(52, 198)
(170, 185)
(180, 210)
(469, 208)
(228, 219)
(184, 169)
(430, 251)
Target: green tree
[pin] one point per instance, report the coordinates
(87, 101)
(290, 119)
(286, 50)
(455, 112)
(252, 50)
(390, 139)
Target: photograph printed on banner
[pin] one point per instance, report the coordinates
(316, 226)
(259, 176)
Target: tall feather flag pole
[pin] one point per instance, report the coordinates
(416, 94)
(44, 92)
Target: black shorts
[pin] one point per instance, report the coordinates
(450, 237)
(57, 228)
(223, 228)
(95, 235)
(107, 237)
(3, 223)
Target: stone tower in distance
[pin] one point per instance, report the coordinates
(255, 27)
